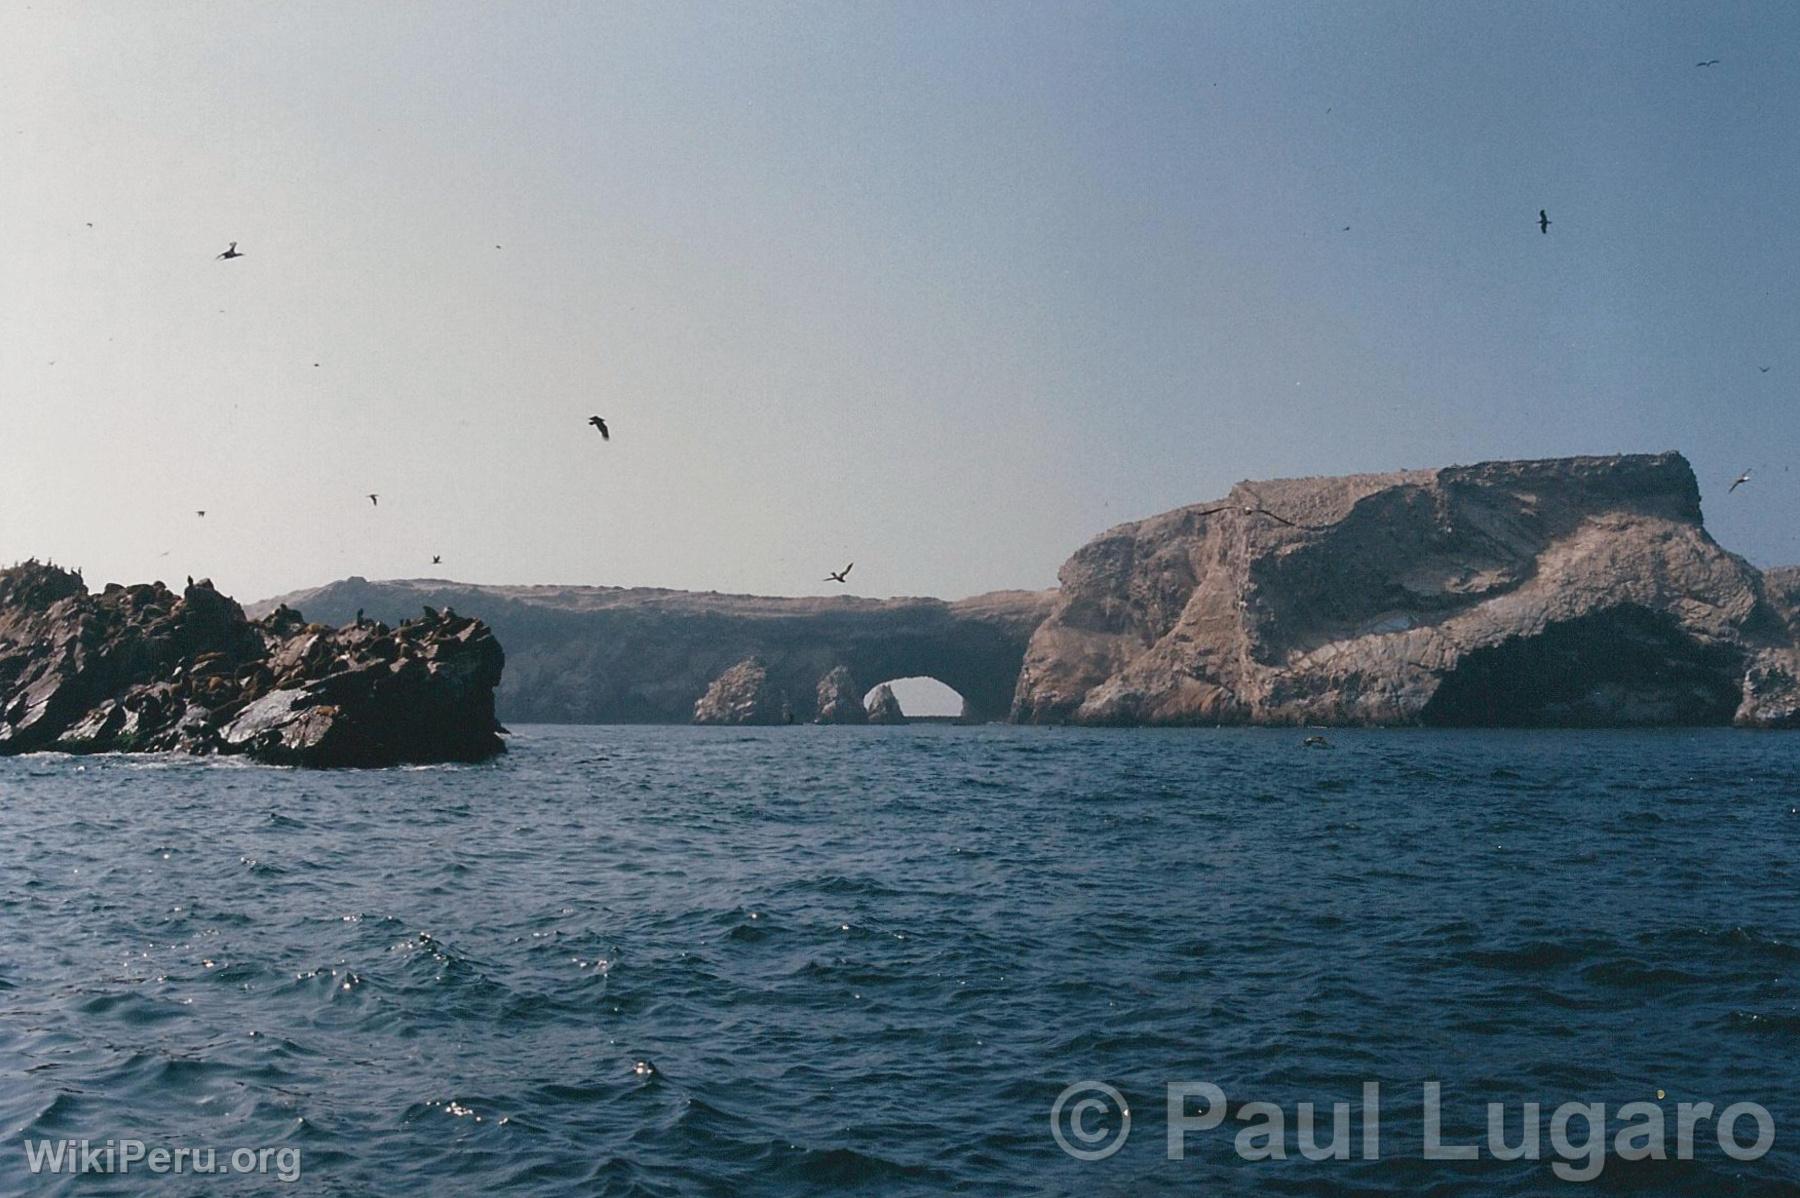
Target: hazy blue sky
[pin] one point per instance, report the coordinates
(944, 288)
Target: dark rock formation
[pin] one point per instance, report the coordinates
(840, 699)
(142, 669)
(1579, 591)
(744, 695)
(608, 655)
(884, 708)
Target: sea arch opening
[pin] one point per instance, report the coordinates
(922, 697)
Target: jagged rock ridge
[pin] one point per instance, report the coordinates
(1577, 591)
(141, 668)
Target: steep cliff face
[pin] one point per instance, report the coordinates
(1563, 592)
(142, 668)
(612, 655)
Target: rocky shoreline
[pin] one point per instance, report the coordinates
(143, 669)
(1572, 592)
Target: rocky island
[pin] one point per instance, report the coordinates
(643, 655)
(144, 669)
(1567, 592)
(1564, 592)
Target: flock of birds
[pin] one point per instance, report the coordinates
(597, 422)
(842, 576)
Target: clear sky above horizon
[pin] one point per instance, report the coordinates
(944, 289)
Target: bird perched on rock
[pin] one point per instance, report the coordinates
(841, 575)
(601, 425)
(231, 251)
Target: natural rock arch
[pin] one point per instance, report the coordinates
(612, 655)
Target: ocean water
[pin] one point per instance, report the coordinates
(871, 960)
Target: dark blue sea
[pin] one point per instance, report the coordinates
(673, 961)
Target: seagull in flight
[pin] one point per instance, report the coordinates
(841, 575)
(230, 252)
(1544, 221)
(374, 499)
(201, 513)
(1762, 370)
(437, 559)
(1711, 62)
(601, 425)
(1738, 482)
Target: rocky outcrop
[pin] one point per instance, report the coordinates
(611, 655)
(1579, 591)
(744, 695)
(840, 699)
(884, 707)
(141, 668)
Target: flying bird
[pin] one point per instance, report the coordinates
(1738, 482)
(374, 499)
(1544, 221)
(841, 575)
(1711, 62)
(201, 513)
(230, 252)
(437, 559)
(601, 425)
(1762, 370)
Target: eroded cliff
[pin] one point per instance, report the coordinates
(1576, 591)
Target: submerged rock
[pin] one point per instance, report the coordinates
(1576, 591)
(744, 695)
(884, 707)
(840, 699)
(140, 668)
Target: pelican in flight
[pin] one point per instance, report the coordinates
(230, 252)
(1544, 221)
(374, 499)
(601, 425)
(1739, 481)
(841, 575)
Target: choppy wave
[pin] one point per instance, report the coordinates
(690, 961)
